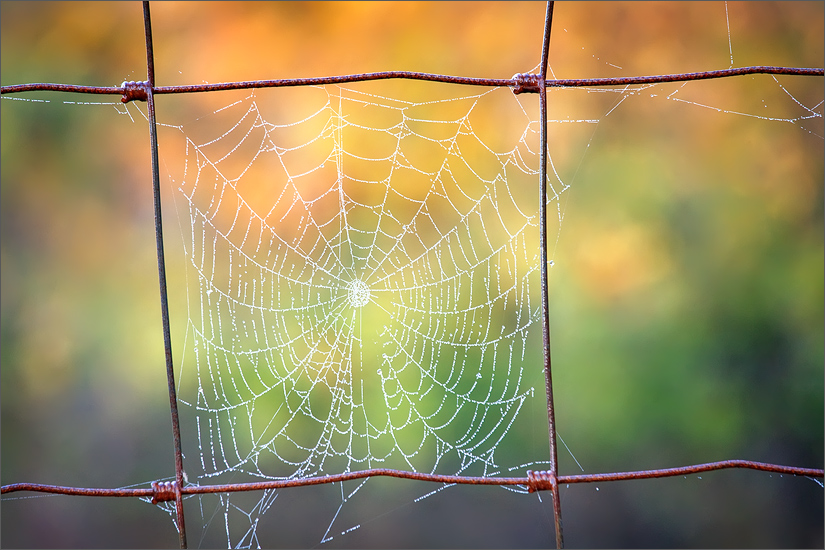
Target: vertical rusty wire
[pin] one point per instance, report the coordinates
(548, 378)
(164, 301)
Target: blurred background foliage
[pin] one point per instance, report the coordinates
(686, 295)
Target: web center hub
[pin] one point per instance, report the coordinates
(358, 293)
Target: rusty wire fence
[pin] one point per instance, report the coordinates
(548, 480)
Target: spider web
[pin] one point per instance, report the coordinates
(363, 289)
(785, 108)
(364, 283)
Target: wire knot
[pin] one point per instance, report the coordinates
(540, 481)
(526, 82)
(164, 491)
(134, 91)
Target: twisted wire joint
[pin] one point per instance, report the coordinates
(526, 82)
(163, 491)
(134, 91)
(539, 481)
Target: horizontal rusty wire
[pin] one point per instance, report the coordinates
(535, 481)
(519, 82)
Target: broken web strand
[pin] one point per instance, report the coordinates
(382, 239)
(730, 42)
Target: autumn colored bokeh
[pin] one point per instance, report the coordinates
(686, 291)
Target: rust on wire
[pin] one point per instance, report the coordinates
(135, 91)
(173, 489)
(164, 491)
(684, 77)
(694, 469)
(49, 87)
(526, 82)
(75, 491)
(520, 82)
(540, 83)
(535, 480)
(541, 481)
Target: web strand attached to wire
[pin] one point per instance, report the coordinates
(364, 285)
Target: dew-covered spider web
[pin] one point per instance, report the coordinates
(363, 287)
